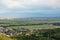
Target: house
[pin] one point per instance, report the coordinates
(3, 30)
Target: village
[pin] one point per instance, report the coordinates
(15, 31)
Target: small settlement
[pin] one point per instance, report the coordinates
(14, 31)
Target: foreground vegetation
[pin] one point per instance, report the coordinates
(4, 37)
(45, 34)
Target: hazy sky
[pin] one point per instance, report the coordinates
(29, 8)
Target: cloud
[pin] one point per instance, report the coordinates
(11, 3)
(29, 6)
(24, 3)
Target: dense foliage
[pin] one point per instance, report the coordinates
(37, 34)
(45, 34)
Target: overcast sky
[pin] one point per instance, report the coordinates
(29, 8)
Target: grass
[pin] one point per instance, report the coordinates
(35, 27)
(4, 37)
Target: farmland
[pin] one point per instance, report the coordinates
(31, 23)
(28, 28)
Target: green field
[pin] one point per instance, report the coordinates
(34, 23)
(45, 28)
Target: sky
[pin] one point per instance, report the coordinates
(29, 8)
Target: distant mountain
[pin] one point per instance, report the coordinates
(32, 18)
(38, 18)
(27, 15)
